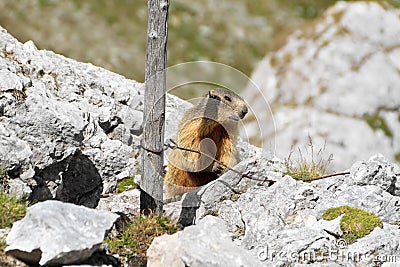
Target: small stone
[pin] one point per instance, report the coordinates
(10, 81)
(19, 188)
(127, 202)
(157, 255)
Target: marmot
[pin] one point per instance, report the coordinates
(211, 126)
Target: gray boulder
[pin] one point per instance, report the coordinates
(68, 130)
(56, 233)
(206, 244)
(336, 80)
(65, 126)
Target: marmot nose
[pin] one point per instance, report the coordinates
(243, 113)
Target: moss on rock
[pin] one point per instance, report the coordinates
(356, 223)
(126, 184)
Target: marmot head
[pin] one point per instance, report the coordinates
(230, 107)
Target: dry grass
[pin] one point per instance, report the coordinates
(3, 178)
(309, 165)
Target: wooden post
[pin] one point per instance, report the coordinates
(151, 197)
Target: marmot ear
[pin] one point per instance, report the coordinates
(211, 94)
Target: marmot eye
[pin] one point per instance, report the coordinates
(227, 98)
(215, 97)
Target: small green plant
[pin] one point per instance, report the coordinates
(397, 157)
(126, 184)
(355, 223)
(377, 122)
(11, 210)
(2, 244)
(240, 231)
(306, 168)
(3, 178)
(134, 241)
(235, 196)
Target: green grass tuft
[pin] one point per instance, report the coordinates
(126, 184)
(356, 223)
(134, 241)
(11, 210)
(307, 167)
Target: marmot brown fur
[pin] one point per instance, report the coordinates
(211, 126)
